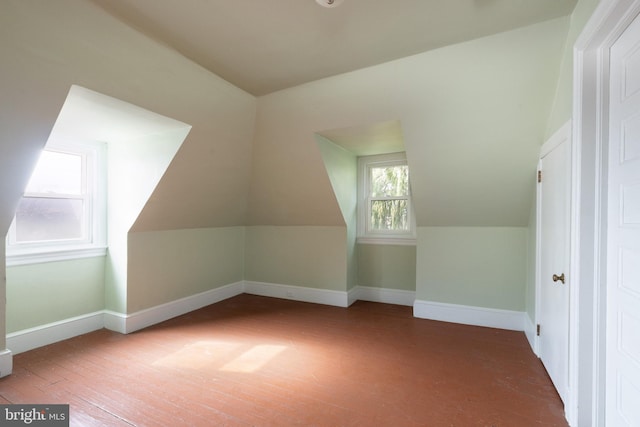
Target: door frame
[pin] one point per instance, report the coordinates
(587, 324)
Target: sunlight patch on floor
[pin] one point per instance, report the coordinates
(200, 354)
(222, 355)
(253, 359)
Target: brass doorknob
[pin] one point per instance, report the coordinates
(560, 278)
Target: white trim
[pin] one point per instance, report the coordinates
(28, 339)
(386, 295)
(298, 293)
(538, 263)
(397, 241)
(469, 315)
(6, 363)
(151, 316)
(588, 254)
(364, 234)
(115, 321)
(92, 193)
(571, 405)
(353, 295)
(531, 333)
(54, 256)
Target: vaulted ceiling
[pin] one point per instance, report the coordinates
(263, 46)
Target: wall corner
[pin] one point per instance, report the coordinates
(6, 363)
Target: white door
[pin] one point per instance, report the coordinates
(623, 234)
(554, 259)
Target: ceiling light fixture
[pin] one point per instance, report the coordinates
(329, 3)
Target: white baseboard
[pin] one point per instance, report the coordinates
(6, 363)
(330, 297)
(530, 331)
(468, 315)
(28, 339)
(18, 342)
(298, 293)
(387, 296)
(353, 295)
(144, 318)
(115, 321)
(50, 333)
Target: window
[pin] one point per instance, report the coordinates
(385, 213)
(61, 214)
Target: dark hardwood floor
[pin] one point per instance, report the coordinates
(255, 361)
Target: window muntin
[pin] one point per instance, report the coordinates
(63, 206)
(384, 205)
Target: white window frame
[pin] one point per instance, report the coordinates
(93, 243)
(385, 237)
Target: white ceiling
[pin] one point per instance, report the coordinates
(263, 46)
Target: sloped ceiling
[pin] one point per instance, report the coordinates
(263, 46)
(472, 118)
(468, 92)
(255, 161)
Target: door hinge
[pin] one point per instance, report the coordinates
(539, 176)
(538, 329)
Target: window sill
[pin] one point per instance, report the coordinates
(54, 255)
(397, 241)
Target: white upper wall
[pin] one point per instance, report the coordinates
(473, 116)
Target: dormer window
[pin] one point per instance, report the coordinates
(63, 207)
(385, 213)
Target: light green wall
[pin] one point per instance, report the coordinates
(450, 101)
(46, 47)
(164, 266)
(473, 117)
(342, 169)
(381, 266)
(308, 256)
(563, 102)
(387, 266)
(38, 294)
(134, 170)
(476, 266)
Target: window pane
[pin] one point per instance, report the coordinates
(48, 219)
(390, 181)
(389, 215)
(56, 172)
